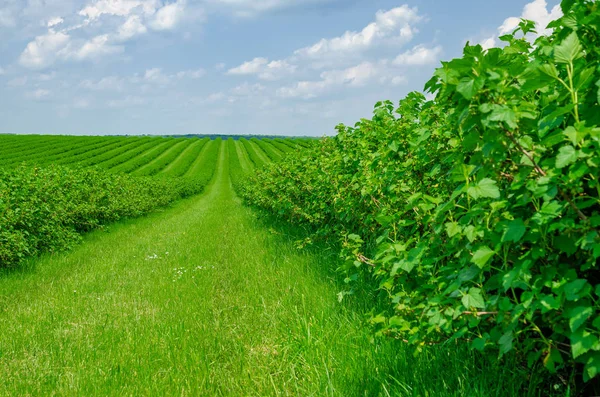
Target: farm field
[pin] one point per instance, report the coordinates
(204, 298)
(447, 246)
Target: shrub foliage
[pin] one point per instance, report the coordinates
(478, 212)
(47, 209)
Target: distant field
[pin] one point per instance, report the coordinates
(139, 156)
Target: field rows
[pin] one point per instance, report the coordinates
(141, 156)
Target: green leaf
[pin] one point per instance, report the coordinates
(571, 133)
(468, 87)
(592, 367)
(581, 342)
(584, 77)
(506, 343)
(472, 233)
(473, 299)
(573, 289)
(578, 316)
(549, 70)
(549, 303)
(515, 231)
(569, 50)
(505, 114)
(482, 256)
(485, 188)
(453, 228)
(479, 344)
(566, 156)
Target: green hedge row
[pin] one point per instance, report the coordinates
(479, 212)
(47, 209)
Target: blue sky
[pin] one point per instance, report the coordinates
(278, 67)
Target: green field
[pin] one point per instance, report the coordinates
(448, 246)
(203, 297)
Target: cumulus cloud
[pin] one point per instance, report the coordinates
(191, 74)
(536, 11)
(133, 26)
(55, 21)
(2, 71)
(110, 83)
(167, 17)
(264, 69)
(150, 76)
(54, 46)
(118, 7)
(44, 50)
(95, 48)
(247, 89)
(393, 26)
(356, 76)
(347, 60)
(419, 55)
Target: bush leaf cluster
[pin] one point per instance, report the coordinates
(478, 212)
(47, 209)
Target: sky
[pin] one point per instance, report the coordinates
(273, 67)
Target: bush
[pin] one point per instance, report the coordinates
(47, 209)
(479, 212)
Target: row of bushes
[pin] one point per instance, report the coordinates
(47, 209)
(478, 212)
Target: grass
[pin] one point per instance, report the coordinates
(204, 299)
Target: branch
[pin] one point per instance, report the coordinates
(365, 260)
(481, 313)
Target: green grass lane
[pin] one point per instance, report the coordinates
(204, 299)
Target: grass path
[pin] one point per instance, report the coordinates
(202, 299)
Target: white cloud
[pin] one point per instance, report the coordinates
(2, 71)
(167, 17)
(356, 76)
(44, 50)
(250, 67)
(419, 55)
(247, 89)
(132, 27)
(121, 8)
(96, 47)
(509, 25)
(155, 75)
(38, 94)
(128, 101)
(536, 11)
(110, 83)
(488, 43)
(191, 74)
(55, 21)
(46, 76)
(393, 26)
(264, 69)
